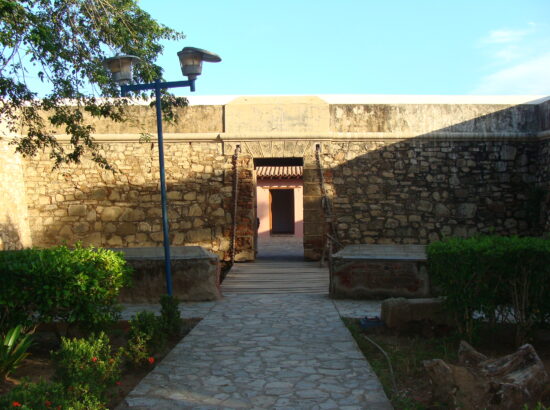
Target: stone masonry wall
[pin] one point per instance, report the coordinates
(544, 181)
(14, 225)
(395, 173)
(544, 165)
(87, 204)
(418, 191)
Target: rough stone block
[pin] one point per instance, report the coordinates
(195, 274)
(111, 213)
(77, 210)
(373, 271)
(398, 312)
(199, 235)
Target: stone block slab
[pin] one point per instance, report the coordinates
(375, 271)
(398, 312)
(195, 274)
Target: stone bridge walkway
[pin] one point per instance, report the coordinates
(265, 351)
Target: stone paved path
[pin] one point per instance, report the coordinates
(265, 351)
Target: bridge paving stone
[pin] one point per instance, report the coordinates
(258, 351)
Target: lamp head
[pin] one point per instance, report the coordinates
(121, 67)
(191, 59)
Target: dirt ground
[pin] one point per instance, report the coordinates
(409, 347)
(38, 364)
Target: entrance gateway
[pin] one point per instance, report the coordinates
(279, 205)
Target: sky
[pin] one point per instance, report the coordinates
(306, 47)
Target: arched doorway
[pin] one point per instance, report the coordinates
(279, 202)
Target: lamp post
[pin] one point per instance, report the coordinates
(121, 67)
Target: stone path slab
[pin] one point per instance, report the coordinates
(264, 352)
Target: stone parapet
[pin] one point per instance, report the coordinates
(195, 274)
(375, 271)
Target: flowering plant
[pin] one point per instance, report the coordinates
(88, 365)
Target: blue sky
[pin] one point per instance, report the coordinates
(363, 46)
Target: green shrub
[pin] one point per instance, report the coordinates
(500, 278)
(13, 349)
(46, 396)
(170, 315)
(74, 286)
(87, 366)
(151, 326)
(145, 338)
(136, 350)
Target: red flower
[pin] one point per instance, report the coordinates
(48, 403)
(16, 404)
(118, 383)
(151, 360)
(94, 359)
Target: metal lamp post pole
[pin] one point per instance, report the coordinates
(165, 232)
(158, 86)
(191, 59)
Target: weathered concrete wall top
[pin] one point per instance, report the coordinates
(544, 114)
(247, 115)
(310, 117)
(142, 119)
(425, 118)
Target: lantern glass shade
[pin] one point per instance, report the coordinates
(121, 67)
(191, 59)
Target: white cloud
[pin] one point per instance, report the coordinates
(528, 77)
(506, 36)
(504, 46)
(509, 53)
(516, 61)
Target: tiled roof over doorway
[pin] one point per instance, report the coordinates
(278, 172)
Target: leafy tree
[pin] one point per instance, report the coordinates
(63, 43)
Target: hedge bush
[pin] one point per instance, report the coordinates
(170, 315)
(88, 365)
(76, 286)
(499, 278)
(45, 395)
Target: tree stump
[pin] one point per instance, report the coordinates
(477, 382)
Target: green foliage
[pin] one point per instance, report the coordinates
(170, 315)
(13, 350)
(48, 395)
(500, 278)
(145, 338)
(538, 406)
(74, 286)
(87, 366)
(136, 350)
(63, 44)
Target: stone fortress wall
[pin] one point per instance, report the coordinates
(396, 170)
(543, 176)
(14, 222)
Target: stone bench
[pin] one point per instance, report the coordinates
(195, 274)
(377, 271)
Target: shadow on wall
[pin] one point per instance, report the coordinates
(10, 237)
(449, 182)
